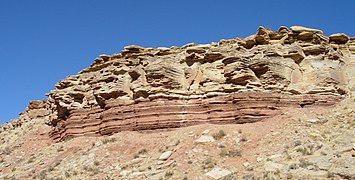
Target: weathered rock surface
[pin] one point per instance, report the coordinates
(232, 81)
(35, 109)
(286, 82)
(165, 155)
(179, 111)
(218, 173)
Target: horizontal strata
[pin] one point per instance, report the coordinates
(162, 112)
(155, 88)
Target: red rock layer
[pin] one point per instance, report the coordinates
(160, 112)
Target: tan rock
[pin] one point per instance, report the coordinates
(305, 35)
(249, 42)
(314, 49)
(300, 29)
(165, 155)
(339, 38)
(294, 52)
(218, 173)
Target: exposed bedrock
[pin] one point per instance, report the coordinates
(230, 81)
(171, 112)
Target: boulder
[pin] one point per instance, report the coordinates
(205, 139)
(218, 173)
(165, 155)
(339, 38)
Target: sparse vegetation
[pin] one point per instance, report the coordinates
(289, 176)
(330, 174)
(169, 173)
(108, 140)
(50, 168)
(7, 151)
(304, 151)
(142, 151)
(42, 174)
(91, 169)
(96, 163)
(135, 156)
(208, 163)
(219, 135)
(230, 153)
(223, 153)
(67, 174)
(31, 159)
(177, 142)
(303, 163)
(243, 138)
(60, 148)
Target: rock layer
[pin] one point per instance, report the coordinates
(163, 112)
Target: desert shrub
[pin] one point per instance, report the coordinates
(289, 176)
(96, 163)
(42, 174)
(107, 140)
(230, 153)
(60, 148)
(169, 173)
(219, 135)
(135, 156)
(67, 174)
(177, 142)
(50, 168)
(142, 151)
(243, 138)
(208, 163)
(7, 150)
(235, 152)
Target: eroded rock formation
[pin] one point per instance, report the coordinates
(35, 109)
(232, 81)
(160, 112)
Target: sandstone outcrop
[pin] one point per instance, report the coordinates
(35, 109)
(231, 81)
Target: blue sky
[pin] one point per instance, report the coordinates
(42, 42)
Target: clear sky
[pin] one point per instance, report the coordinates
(43, 41)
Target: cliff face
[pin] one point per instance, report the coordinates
(232, 81)
(168, 112)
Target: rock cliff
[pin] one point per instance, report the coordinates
(231, 81)
(283, 101)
